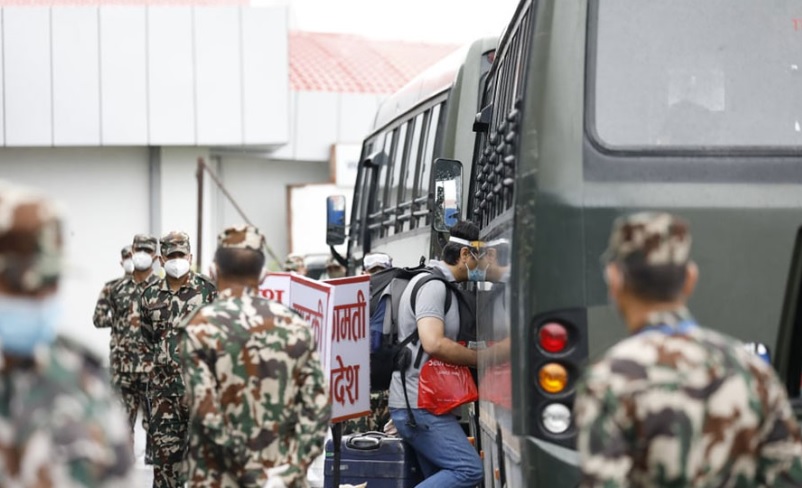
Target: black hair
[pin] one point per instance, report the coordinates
(239, 263)
(463, 229)
(655, 283)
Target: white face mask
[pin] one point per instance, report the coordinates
(176, 267)
(128, 265)
(142, 260)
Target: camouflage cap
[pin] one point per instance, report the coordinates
(175, 241)
(649, 238)
(242, 237)
(145, 241)
(30, 239)
(293, 262)
(126, 252)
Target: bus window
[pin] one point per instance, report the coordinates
(407, 190)
(706, 87)
(395, 172)
(380, 173)
(422, 195)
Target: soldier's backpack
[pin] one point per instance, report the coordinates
(386, 288)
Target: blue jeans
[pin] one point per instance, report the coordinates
(444, 453)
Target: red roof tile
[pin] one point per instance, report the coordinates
(351, 64)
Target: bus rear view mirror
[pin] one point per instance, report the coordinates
(335, 220)
(447, 193)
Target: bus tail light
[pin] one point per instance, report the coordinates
(556, 418)
(553, 377)
(553, 337)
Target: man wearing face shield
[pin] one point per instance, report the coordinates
(160, 310)
(61, 422)
(446, 456)
(131, 360)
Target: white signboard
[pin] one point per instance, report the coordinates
(337, 310)
(311, 298)
(350, 348)
(276, 286)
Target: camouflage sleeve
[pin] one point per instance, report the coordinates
(205, 409)
(115, 469)
(103, 316)
(140, 312)
(93, 436)
(313, 411)
(780, 462)
(604, 428)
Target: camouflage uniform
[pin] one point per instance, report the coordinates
(676, 404)
(132, 358)
(60, 424)
(258, 397)
(379, 415)
(160, 311)
(104, 315)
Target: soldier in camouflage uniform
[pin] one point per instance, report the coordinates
(103, 316)
(161, 309)
(132, 358)
(60, 421)
(676, 404)
(259, 403)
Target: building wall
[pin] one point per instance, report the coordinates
(105, 196)
(139, 75)
(260, 188)
(320, 119)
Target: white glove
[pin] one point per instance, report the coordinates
(389, 429)
(274, 479)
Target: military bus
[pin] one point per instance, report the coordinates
(592, 110)
(429, 118)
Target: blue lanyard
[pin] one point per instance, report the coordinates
(682, 328)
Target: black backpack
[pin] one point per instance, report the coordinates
(387, 286)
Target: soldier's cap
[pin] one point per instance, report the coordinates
(242, 237)
(649, 238)
(30, 239)
(126, 252)
(145, 241)
(175, 241)
(377, 260)
(293, 262)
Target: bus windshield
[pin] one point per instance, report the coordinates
(690, 73)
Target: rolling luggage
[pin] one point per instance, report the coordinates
(376, 458)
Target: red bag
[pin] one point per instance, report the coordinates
(442, 387)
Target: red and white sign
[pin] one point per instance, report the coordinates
(276, 286)
(350, 347)
(338, 312)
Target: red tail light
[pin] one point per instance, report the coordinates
(553, 337)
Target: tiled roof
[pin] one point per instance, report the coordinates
(351, 64)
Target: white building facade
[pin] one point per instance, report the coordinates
(108, 108)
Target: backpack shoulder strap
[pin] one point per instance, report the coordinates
(426, 279)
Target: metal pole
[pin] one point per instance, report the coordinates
(336, 440)
(199, 240)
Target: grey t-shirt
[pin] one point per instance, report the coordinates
(429, 303)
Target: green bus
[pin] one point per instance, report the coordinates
(429, 118)
(594, 109)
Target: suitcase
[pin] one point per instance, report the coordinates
(376, 458)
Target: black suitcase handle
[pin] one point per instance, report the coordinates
(368, 441)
